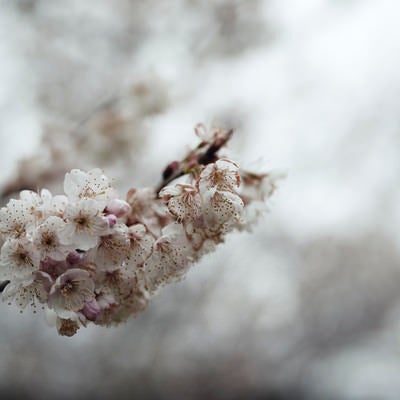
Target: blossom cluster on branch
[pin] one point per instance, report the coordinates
(89, 256)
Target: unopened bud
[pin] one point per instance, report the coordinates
(118, 207)
(170, 170)
(91, 310)
(111, 220)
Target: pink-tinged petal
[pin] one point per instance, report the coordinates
(16, 218)
(47, 239)
(91, 310)
(118, 207)
(84, 224)
(70, 292)
(18, 260)
(222, 175)
(111, 219)
(169, 191)
(186, 206)
(91, 185)
(141, 244)
(113, 249)
(74, 258)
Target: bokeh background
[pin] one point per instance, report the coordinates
(305, 307)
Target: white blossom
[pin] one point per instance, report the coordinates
(18, 260)
(24, 293)
(141, 244)
(90, 257)
(183, 201)
(114, 248)
(84, 224)
(46, 239)
(89, 185)
(70, 292)
(16, 218)
(52, 205)
(170, 258)
(146, 209)
(209, 135)
(221, 207)
(118, 207)
(222, 175)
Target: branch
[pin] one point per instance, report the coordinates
(205, 153)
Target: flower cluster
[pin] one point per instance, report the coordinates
(89, 256)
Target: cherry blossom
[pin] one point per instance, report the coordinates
(183, 201)
(18, 259)
(24, 293)
(113, 249)
(84, 224)
(141, 244)
(118, 207)
(222, 175)
(46, 239)
(89, 185)
(71, 291)
(88, 256)
(16, 217)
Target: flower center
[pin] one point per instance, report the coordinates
(82, 221)
(67, 289)
(24, 259)
(87, 192)
(48, 239)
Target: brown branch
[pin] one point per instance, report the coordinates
(205, 153)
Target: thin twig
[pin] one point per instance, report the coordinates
(204, 154)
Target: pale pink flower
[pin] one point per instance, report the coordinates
(54, 268)
(70, 292)
(146, 209)
(51, 205)
(90, 257)
(84, 224)
(113, 249)
(24, 293)
(170, 258)
(256, 188)
(223, 175)
(118, 207)
(209, 135)
(16, 217)
(105, 299)
(89, 185)
(141, 244)
(31, 200)
(120, 296)
(183, 201)
(259, 186)
(119, 281)
(47, 240)
(42, 284)
(18, 260)
(44, 204)
(221, 208)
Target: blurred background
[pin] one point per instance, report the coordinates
(305, 307)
